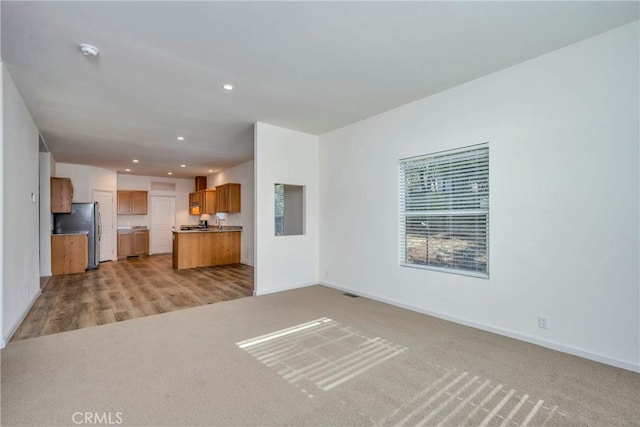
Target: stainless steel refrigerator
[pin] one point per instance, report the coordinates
(84, 217)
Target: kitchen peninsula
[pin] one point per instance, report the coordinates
(206, 247)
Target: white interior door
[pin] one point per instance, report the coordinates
(107, 240)
(163, 222)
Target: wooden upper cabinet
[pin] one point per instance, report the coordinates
(201, 183)
(222, 198)
(61, 195)
(195, 207)
(228, 198)
(209, 197)
(139, 203)
(132, 202)
(125, 202)
(202, 202)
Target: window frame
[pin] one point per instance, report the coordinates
(289, 210)
(482, 212)
(278, 215)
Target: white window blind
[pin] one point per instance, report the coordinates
(444, 211)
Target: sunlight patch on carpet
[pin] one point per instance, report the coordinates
(322, 352)
(458, 398)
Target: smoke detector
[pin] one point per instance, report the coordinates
(88, 50)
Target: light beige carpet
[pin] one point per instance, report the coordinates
(305, 357)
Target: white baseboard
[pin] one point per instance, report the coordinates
(257, 292)
(499, 331)
(17, 323)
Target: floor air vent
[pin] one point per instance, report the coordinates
(347, 294)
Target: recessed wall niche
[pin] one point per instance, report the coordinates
(289, 212)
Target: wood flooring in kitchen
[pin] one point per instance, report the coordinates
(135, 287)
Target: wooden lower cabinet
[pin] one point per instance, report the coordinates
(133, 243)
(69, 253)
(124, 244)
(203, 249)
(140, 242)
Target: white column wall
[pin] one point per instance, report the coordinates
(564, 208)
(288, 157)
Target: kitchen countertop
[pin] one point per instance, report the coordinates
(79, 233)
(131, 227)
(225, 229)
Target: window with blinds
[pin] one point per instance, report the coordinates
(444, 211)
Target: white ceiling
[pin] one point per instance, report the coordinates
(310, 66)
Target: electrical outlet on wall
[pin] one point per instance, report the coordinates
(326, 274)
(543, 322)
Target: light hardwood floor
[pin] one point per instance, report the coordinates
(136, 287)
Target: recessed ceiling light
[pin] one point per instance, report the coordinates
(183, 166)
(169, 173)
(227, 86)
(210, 170)
(181, 138)
(127, 170)
(135, 160)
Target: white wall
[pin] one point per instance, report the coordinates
(2, 337)
(135, 182)
(87, 178)
(564, 208)
(46, 171)
(294, 208)
(20, 273)
(287, 157)
(242, 174)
